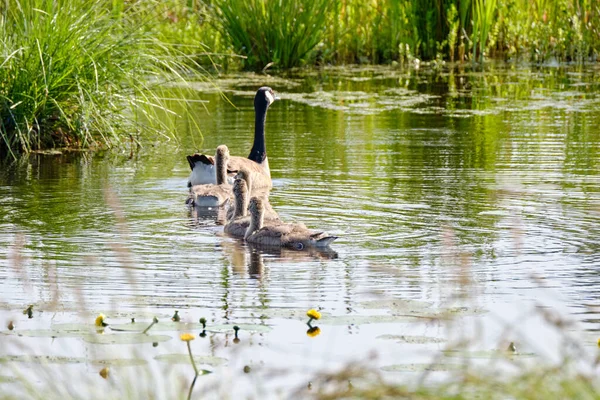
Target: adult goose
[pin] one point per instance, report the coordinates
(213, 195)
(238, 222)
(203, 165)
(294, 236)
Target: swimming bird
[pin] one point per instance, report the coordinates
(238, 222)
(213, 195)
(203, 165)
(294, 236)
(250, 177)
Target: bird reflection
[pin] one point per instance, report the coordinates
(202, 216)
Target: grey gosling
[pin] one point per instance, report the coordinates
(238, 222)
(294, 236)
(213, 195)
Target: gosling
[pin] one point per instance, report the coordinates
(211, 195)
(294, 236)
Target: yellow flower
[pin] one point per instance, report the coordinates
(313, 314)
(104, 372)
(314, 331)
(186, 337)
(100, 320)
(598, 342)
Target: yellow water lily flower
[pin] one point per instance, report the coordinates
(186, 337)
(100, 320)
(314, 331)
(104, 372)
(313, 314)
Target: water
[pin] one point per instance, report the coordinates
(466, 188)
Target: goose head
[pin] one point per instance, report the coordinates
(265, 96)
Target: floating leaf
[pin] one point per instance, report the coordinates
(126, 338)
(163, 326)
(397, 305)
(440, 367)
(367, 319)
(42, 359)
(487, 354)
(120, 362)
(185, 359)
(253, 328)
(412, 339)
(49, 333)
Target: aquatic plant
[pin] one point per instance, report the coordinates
(82, 74)
(100, 321)
(187, 338)
(277, 33)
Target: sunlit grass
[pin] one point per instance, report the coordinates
(278, 33)
(83, 74)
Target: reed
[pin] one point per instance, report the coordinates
(278, 33)
(81, 74)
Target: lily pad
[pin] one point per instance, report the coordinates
(42, 359)
(126, 338)
(120, 362)
(412, 339)
(166, 326)
(76, 328)
(439, 367)
(185, 359)
(487, 354)
(366, 319)
(397, 305)
(48, 333)
(253, 328)
(287, 313)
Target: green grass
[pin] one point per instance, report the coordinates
(82, 74)
(279, 33)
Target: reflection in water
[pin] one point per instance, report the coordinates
(480, 185)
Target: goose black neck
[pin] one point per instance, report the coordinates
(259, 149)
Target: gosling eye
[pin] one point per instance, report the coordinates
(299, 246)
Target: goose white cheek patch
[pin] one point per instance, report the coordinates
(270, 97)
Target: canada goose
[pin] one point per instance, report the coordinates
(250, 177)
(203, 166)
(238, 222)
(294, 236)
(213, 195)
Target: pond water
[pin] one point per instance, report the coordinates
(466, 201)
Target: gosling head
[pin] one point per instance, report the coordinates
(239, 188)
(265, 96)
(256, 206)
(222, 151)
(244, 174)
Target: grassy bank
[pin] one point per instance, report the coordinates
(82, 74)
(270, 33)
